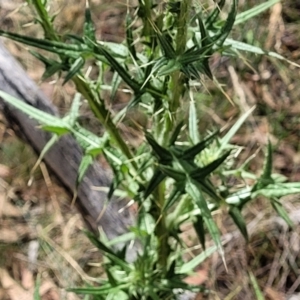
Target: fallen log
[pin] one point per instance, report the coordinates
(64, 157)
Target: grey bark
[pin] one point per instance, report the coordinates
(64, 157)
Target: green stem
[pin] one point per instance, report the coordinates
(181, 40)
(161, 230)
(45, 21)
(177, 85)
(177, 88)
(97, 106)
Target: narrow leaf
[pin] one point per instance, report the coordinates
(282, 212)
(75, 69)
(163, 154)
(50, 46)
(258, 293)
(176, 132)
(193, 123)
(115, 83)
(129, 36)
(196, 261)
(236, 45)
(268, 164)
(118, 68)
(169, 171)
(194, 190)
(211, 19)
(201, 173)
(238, 219)
(55, 124)
(224, 142)
(175, 195)
(252, 12)
(199, 228)
(109, 253)
(101, 246)
(190, 153)
(103, 290)
(89, 28)
(86, 161)
(278, 190)
(226, 29)
(156, 179)
(166, 44)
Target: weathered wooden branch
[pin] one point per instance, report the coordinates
(64, 157)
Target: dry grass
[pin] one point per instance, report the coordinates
(40, 232)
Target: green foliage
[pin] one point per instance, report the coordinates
(179, 174)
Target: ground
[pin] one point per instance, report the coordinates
(40, 231)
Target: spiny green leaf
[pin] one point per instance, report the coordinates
(211, 19)
(266, 176)
(190, 153)
(50, 122)
(75, 69)
(239, 220)
(166, 44)
(115, 83)
(196, 55)
(176, 132)
(46, 148)
(268, 164)
(156, 179)
(88, 28)
(277, 190)
(239, 198)
(73, 114)
(163, 154)
(135, 100)
(109, 253)
(53, 69)
(86, 161)
(171, 172)
(282, 212)
(193, 123)
(136, 87)
(206, 68)
(103, 290)
(190, 71)
(209, 189)
(194, 190)
(89, 141)
(197, 260)
(252, 12)
(177, 192)
(224, 142)
(47, 61)
(96, 242)
(129, 36)
(111, 278)
(205, 38)
(226, 29)
(199, 228)
(201, 173)
(171, 66)
(60, 48)
(236, 45)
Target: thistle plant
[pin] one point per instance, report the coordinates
(177, 175)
